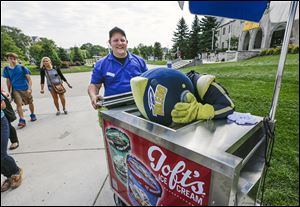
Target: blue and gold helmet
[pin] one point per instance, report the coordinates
(157, 91)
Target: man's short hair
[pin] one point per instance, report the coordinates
(116, 30)
(11, 54)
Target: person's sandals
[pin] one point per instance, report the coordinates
(6, 185)
(16, 179)
(65, 112)
(58, 113)
(14, 146)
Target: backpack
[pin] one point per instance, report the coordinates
(9, 111)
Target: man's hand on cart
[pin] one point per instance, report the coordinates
(97, 101)
(190, 110)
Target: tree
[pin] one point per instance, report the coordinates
(98, 50)
(45, 48)
(136, 51)
(194, 38)
(94, 50)
(157, 51)
(145, 51)
(8, 45)
(207, 24)
(49, 50)
(76, 54)
(149, 50)
(36, 51)
(21, 40)
(62, 54)
(234, 41)
(180, 38)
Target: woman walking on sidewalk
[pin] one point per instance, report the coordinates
(9, 167)
(54, 77)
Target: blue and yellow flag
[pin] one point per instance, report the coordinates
(250, 25)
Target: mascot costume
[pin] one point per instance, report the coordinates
(165, 95)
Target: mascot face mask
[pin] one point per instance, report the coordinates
(157, 91)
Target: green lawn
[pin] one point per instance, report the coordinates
(250, 84)
(74, 69)
(157, 62)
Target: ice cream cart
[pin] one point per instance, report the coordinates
(215, 162)
(203, 163)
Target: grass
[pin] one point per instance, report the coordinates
(157, 62)
(250, 84)
(74, 69)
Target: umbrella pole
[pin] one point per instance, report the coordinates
(269, 122)
(284, 50)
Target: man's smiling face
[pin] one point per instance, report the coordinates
(119, 44)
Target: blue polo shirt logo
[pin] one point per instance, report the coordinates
(110, 74)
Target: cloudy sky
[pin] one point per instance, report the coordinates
(75, 23)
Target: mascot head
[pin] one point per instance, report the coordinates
(157, 91)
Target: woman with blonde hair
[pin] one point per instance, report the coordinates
(54, 76)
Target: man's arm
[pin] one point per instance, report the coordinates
(30, 83)
(8, 84)
(93, 91)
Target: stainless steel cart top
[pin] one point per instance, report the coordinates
(210, 143)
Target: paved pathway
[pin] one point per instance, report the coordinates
(63, 157)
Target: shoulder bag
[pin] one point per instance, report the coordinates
(58, 88)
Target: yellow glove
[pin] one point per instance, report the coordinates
(191, 110)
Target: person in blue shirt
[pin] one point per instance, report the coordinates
(19, 84)
(9, 167)
(116, 69)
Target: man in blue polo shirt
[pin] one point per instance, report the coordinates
(116, 69)
(19, 84)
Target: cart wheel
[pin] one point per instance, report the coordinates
(118, 201)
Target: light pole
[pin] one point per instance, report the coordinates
(212, 39)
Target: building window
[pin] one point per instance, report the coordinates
(224, 29)
(222, 45)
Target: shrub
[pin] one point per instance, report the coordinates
(264, 52)
(65, 64)
(290, 48)
(270, 51)
(295, 49)
(221, 50)
(276, 51)
(77, 63)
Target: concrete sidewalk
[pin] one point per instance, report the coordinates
(63, 157)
